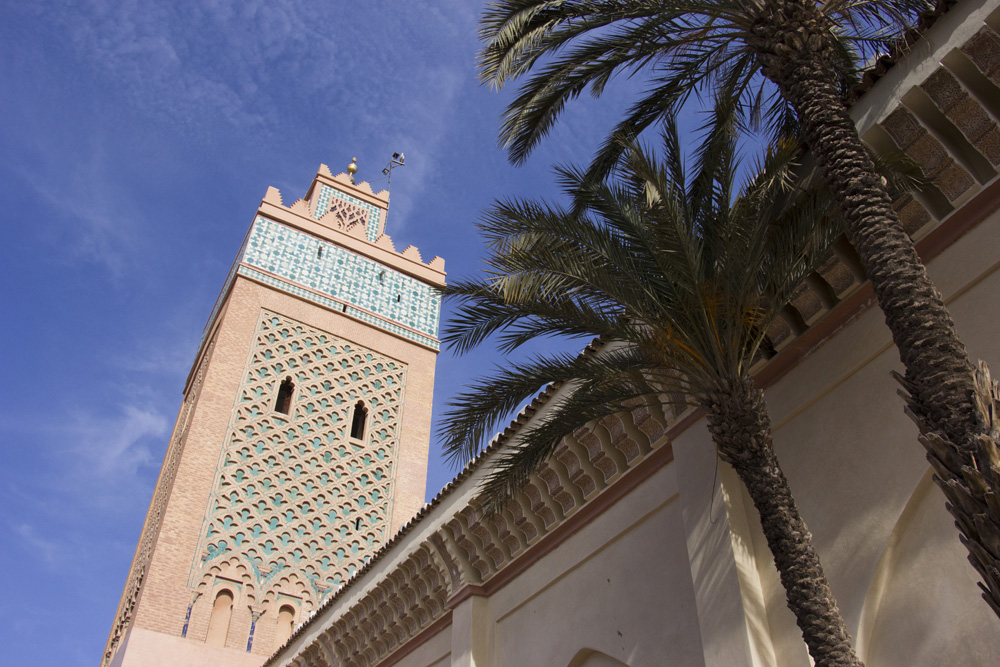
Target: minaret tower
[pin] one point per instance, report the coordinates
(301, 444)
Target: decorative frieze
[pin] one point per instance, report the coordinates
(471, 548)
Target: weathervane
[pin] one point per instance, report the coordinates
(397, 160)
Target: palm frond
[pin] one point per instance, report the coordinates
(561, 48)
(677, 273)
(484, 405)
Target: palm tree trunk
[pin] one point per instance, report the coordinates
(949, 406)
(741, 429)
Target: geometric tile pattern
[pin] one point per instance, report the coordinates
(343, 275)
(349, 210)
(365, 316)
(294, 492)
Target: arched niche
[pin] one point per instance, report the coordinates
(588, 657)
(222, 614)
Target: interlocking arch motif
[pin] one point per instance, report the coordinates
(297, 501)
(348, 215)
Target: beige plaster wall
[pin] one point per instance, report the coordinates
(146, 648)
(920, 588)
(713, 569)
(619, 586)
(435, 652)
(855, 466)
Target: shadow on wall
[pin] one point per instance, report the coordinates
(591, 658)
(918, 566)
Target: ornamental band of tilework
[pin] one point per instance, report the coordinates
(391, 298)
(295, 492)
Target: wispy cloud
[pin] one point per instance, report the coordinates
(96, 221)
(236, 61)
(50, 551)
(167, 351)
(116, 447)
(89, 459)
(258, 66)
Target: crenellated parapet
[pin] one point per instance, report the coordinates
(341, 208)
(330, 248)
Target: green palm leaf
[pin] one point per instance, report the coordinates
(680, 280)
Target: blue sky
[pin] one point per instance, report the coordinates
(138, 138)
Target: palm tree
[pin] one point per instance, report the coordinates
(747, 50)
(681, 281)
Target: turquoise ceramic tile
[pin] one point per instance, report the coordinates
(303, 260)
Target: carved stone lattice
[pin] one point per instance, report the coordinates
(294, 492)
(347, 215)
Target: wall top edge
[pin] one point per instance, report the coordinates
(381, 250)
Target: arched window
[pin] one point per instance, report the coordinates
(358, 423)
(286, 621)
(285, 391)
(222, 612)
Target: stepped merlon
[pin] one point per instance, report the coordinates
(330, 248)
(354, 213)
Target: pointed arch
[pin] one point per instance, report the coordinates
(286, 390)
(588, 657)
(359, 421)
(222, 614)
(285, 623)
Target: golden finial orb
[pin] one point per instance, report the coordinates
(352, 168)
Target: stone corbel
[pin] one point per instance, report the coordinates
(452, 561)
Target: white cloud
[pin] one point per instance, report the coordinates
(115, 448)
(426, 129)
(50, 551)
(259, 64)
(90, 460)
(167, 351)
(100, 231)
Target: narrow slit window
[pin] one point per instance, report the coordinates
(285, 391)
(319, 253)
(358, 423)
(357, 523)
